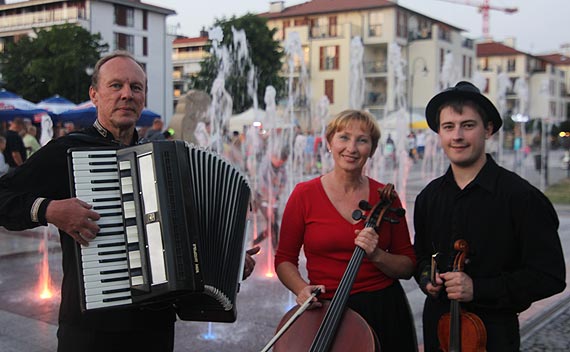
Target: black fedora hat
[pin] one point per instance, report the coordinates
(463, 91)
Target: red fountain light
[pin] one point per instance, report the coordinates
(45, 289)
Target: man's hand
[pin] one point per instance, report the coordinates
(459, 286)
(249, 261)
(74, 217)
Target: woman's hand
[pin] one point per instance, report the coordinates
(367, 239)
(306, 292)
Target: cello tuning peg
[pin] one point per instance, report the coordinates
(400, 212)
(357, 215)
(364, 205)
(391, 220)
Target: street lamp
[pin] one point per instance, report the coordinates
(412, 70)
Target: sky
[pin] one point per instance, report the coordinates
(539, 26)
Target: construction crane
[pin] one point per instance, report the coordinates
(484, 7)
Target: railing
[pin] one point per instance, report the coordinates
(326, 31)
(42, 17)
(419, 35)
(189, 55)
(375, 67)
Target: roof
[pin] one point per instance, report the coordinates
(132, 3)
(316, 7)
(556, 59)
(327, 6)
(496, 49)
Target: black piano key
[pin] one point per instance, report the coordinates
(108, 199)
(111, 214)
(95, 171)
(120, 251)
(115, 299)
(105, 245)
(102, 261)
(104, 207)
(115, 279)
(103, 189)
(116, 290)
(116, 271)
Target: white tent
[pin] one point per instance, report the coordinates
(246, 118)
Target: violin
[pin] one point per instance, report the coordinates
(459, 330)
(336, 327)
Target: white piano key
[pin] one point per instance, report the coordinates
(100, 271)
(107, 257)
(87, 173)
(95, 294)
(96, 280)
(81, 194)
(90, 186)
(99, 304)
(97, 264)
(88, 153)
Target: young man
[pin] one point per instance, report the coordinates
(515, 256)
(118, 90)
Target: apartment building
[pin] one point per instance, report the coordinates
(187, 53)
(130, 25)
(545, 77)
(326, 29)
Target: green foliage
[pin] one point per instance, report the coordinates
(52, 63)
(265, 55)
(559, 193)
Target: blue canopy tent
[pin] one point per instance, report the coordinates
(12, 106)
(85, 114)
(56, 104)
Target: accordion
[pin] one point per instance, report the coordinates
(172, 228)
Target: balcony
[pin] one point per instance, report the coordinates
(371, 67)
(333, 31)
(189, 55)
(42, 18)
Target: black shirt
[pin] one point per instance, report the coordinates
(45, 174)
(14, 143)
(515, 255)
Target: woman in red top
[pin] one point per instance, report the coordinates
(318, 217)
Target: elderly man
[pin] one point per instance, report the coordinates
(118, 90)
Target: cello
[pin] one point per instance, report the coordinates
(335, 327)
(459, 330)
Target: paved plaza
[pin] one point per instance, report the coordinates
(28, 323)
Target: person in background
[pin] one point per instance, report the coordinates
(515, 257)
(155, 132)
(318, 218)
(118, 91)
(30, 141)
(15, 152)
(271, 183)
(4, 167)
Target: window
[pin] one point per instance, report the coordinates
(329, 57)
(124, 16)
(125, 42)
(145, 20)
(376, 20)
(286, 24)
(329, 90)
(511, 65)
(486, 91)
(145, 46)
(332, 26)
(402, 24)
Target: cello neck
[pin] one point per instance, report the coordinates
(325, 334)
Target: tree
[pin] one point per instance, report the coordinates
(265, 55)
(54, 62)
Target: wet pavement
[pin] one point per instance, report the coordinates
(29, 323)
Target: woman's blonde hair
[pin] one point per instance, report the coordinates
(342, 119)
